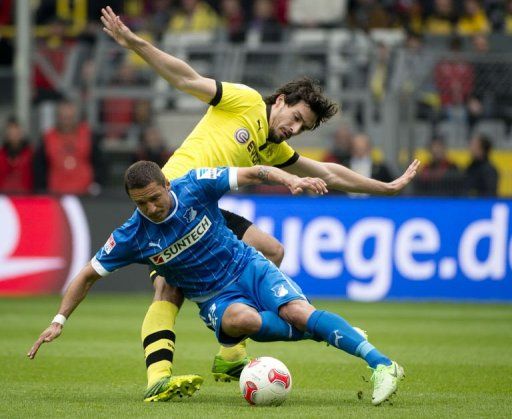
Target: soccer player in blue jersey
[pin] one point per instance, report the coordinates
(240, 128)
(179, 230)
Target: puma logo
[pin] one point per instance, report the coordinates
(157, 244)
(337, 337)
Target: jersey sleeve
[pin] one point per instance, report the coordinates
(215, 182)
(283, 155)
(115, 253)
(236, 98)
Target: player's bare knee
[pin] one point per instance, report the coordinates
(276, 253)
(240, 320)
(166, 292)
(296, 313)
(272, 250)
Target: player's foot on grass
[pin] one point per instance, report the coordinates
(385, 382)
(227, 371)
(169, 388)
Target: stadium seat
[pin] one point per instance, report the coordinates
(495, 129)
(320, 12)
(389, 37)
(308, 37)
(455, 132)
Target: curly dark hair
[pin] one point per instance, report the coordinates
(311, 93)
(141, 174)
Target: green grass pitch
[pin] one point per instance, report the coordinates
(457, 358)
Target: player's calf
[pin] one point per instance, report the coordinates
(296, 313)
(165, 291)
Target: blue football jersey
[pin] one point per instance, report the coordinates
(192, 248)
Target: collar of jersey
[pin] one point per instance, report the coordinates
(175, 198)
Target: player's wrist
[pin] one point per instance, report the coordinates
(389, 188)
(60, 319)
(136, 43)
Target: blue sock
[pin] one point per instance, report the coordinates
(274, 328)
(335, 330)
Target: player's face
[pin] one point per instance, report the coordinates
(153, 201)
(289, 120)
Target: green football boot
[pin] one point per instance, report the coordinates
(226, 371)
(385, 382)
(169, 388)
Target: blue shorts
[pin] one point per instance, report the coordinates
(262, 286)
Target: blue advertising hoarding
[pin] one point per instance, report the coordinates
(369, 249)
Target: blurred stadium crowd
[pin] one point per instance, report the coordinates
(424, 78)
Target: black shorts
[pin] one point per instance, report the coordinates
(236, 223)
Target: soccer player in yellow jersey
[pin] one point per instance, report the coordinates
(242, 129)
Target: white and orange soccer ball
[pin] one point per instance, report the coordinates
(265, 381)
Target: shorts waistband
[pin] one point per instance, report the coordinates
(203, 298)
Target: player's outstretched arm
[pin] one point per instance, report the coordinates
(75, 293)
(342, 178)
(177, 72)
(257, 175)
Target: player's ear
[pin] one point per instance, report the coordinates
(280, 99)
(167, 184)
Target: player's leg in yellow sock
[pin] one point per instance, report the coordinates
(229, 362)
(233, 353)
(158, 339)
(271, 249)
(157, 334)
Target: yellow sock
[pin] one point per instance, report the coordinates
(233, 353)
(158, 339)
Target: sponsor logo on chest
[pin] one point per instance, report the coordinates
(253, 152)
(183, 243)
(242, 136)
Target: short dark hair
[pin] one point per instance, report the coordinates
(11, 120)
(311, 93)
(485, 143)
(141, 174)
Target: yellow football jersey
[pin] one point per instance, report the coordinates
(233, 132)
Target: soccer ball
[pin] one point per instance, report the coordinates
(265, 381)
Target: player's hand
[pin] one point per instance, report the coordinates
(398, 184)
(299, 185)
(114, 26)
(50, 333)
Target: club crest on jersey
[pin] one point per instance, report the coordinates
(208, 173)
(109, 245)
(190, 215)
(183, 243)
(279, 290)
(242, 135)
